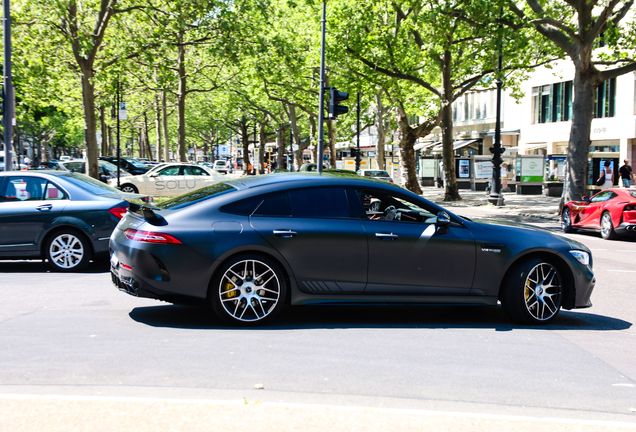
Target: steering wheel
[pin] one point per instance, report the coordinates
(389, 213)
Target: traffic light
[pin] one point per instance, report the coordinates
(335, 97)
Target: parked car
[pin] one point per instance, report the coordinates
(170, 179)
(107, 171)
(221, 166)
(612, 212)
(375, 174)
(132, 166)
(63, 217)
(250, 246)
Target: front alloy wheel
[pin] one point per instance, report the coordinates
(128, 188)
(534, 292)
(67, 251)
(249, 291)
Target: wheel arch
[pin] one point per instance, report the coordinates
(283, 268)
(569, 291)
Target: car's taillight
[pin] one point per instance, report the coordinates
(629, 207)
(150, 237)
(118, 212)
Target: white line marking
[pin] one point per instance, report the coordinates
(622, 271)
(333, 407)
(623, 385)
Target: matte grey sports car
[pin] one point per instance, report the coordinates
(250, 246)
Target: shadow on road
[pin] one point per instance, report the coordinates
(334, 317)
(39, 266)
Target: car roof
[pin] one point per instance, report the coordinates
(305, 178)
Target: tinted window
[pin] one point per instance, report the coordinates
(274, 205)
(30, 189)
(75, 166)
(242, 208)
(319, 203)
(602, 196)
(381, 206)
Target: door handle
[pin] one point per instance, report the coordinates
(284, 233)
(44, 207)
(386, 236)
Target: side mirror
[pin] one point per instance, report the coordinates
(443, 219)
(586, 199)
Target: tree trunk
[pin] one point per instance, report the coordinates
(90, 121)
(579, 146)
(262, 139)
(379, 126)
(246, 145)
(166, 138)
(181, 97)
(157, 128)
(102, 125)
(448, 153)
(313, 131)
(331, 133)
(281, 147)
(407, 154)
(148, 150)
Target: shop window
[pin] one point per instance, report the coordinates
(606, 99)
(552, 102)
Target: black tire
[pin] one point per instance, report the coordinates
(129, 188)
(607, 227)
(566, 221)
(533, 293)
(239, 298)
(68, 250)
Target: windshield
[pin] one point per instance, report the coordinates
(220, 163)
(136, 164)
(376, 174)
(196, 196)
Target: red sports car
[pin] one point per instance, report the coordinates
(611, 211)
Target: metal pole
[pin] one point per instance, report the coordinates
(496, 150)
(358, 158)
(7, 118)
(321, 103)
(118, 142)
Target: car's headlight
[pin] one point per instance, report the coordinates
(581, 256)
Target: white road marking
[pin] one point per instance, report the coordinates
(623, 271)
(333, 407)
(623, 385)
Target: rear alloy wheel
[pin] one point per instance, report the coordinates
(68, 250)
(607, 227)
(566, 221)
(534, 293)
(249, 291)
(128, 188)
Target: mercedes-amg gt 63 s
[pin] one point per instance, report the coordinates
(248, 247)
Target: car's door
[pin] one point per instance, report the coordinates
(314, 231)
(168, 181)
(197, 177)
(409, 253)
(28, 206)
(591, 214)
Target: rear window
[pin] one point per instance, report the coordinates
(196, 196)
(90, 184)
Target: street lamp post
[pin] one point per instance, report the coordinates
(358, 158)
(321, 98)
(7, 116)
(495, 197)
(291, 147)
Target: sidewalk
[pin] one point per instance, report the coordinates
(521, 205)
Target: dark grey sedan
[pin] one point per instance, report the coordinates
(61, 216)
(248, 247)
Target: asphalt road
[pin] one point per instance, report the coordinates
(76, 354)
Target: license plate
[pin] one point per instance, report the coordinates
(114, 261)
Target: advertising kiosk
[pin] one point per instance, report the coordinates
(482, 172)
(463, 172)
(596, 162)
(530, 174)
(554, 175)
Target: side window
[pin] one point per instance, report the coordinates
(242, 208)
(52, 192)
(319, 203)
(24, 189)
(169, 171)
(192, 170)
(274, 205)
(381, 206)
(601, 197)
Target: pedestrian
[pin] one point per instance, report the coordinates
(27, 160)
(608, 175)
(626, 173)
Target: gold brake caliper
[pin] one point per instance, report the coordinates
(526, 291)
(228, 287)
